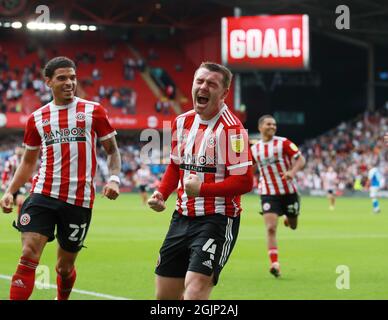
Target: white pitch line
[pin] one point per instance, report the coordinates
(89, 293)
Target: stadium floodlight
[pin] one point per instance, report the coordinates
(16, 25)
(60, 26)
(7, 24)
(74, 27)
(44, 26)
(83, 27)
(1, 24)
(32, 25)
(92, 28)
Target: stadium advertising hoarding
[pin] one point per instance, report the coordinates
(278, 42)
(18, 120)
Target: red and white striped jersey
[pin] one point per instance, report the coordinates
(10, 167)
(67, 136)
(274, 158)
(212, 150)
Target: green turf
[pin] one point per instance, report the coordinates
(125, 237)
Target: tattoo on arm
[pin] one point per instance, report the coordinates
(113, 158)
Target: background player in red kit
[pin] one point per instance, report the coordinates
(211, 167)
(278, 160)
(10, 167)
(63, 191)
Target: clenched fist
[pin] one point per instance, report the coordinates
(192, 185)
(6, 202)
(156, 202)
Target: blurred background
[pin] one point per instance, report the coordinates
(322, 71)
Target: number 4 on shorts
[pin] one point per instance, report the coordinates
(210, 247)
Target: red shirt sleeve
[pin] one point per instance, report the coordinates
(291, 149)
(238, 165)
(174, 155)
(101, 124)
(32, 139)
(170, 180)
(232, 186)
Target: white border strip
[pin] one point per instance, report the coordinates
(224, 41)
(88, 293)
(306, 41)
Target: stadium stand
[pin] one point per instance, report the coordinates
(350, 149)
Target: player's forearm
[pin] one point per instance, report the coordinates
(232, 186)
(22, 174)
(170, 180)
(114, 163)
(298, 165)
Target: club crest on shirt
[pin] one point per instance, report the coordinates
(80, 116)
(237, 143)
(45, 122)
(211, 142)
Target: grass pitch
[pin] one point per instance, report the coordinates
(125, 236)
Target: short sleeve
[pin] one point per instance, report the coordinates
(239, 156)
(174, 156)
(101, 124)
(291, 149)
(32, 139)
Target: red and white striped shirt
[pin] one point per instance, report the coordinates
(211, 150)
(67, 136)
(10, 167)
(274, 158)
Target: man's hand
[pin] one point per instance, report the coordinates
(156, 202)
(111, 190)
(288, 175)
(6, 202)
(192, 185)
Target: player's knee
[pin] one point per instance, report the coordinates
(30, 251)
(197, 289)
(271, 229)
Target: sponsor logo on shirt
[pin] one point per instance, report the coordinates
(65, 135)
(204, 163)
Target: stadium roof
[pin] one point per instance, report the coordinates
(369, 18)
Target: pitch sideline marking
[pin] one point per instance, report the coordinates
(89, 293)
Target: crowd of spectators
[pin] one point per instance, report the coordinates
(351, 148)
(14, 82)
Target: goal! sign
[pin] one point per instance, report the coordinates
(266, 42)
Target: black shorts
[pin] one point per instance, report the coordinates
(143, 187)
(199, 244)
(288, 204)
(41, 214)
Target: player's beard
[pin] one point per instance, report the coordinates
(67, 95)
